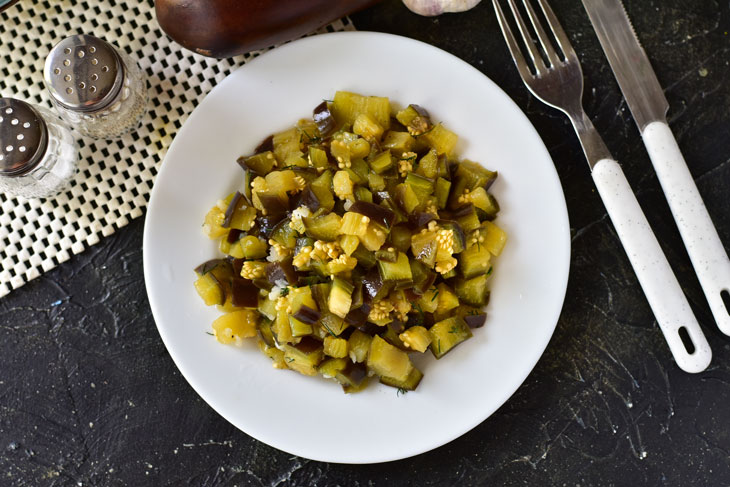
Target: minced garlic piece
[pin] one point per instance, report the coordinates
(380, 310)
(477, 237)
(303, 257)
(250, 270)
(299, 184)
(343, 263)
(405, 164)
(401, 305)
(465, 197)
(417, 338)
(446, 266)
(432, 209)
(282, 303)
(296, 222)
(277, 252)
(445, 240)
(342, 184)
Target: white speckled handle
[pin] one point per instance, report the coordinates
(665, 296)
(704, 247)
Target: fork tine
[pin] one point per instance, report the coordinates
(514, 48)
(531, 47)
(541, 34)
(558, 31)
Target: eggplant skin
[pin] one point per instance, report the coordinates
(226, 28)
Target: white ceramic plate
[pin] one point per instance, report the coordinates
(311, 417)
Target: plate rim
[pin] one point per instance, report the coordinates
(182, 366)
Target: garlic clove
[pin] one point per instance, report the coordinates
(430, 8)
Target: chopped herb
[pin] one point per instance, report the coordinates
(328, 101)
(209, 333)
(313, 139)
(438, 346)
(489, 272)
(284, 291)
(289, 359)
(411, 158)
(424, 133)
(454, 329)
(435, 295)
(401, 391)
(420, 311)
(329, 330)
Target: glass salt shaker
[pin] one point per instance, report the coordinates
(38, 153)
(99, 90)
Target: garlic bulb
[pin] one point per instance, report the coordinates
(430, 8)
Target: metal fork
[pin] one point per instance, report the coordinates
(558, 82)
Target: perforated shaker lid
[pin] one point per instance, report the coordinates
(23, 137)
(83, 73)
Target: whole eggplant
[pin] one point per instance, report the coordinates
(225, 28)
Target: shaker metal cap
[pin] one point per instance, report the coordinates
(83, 73)
(23, 137)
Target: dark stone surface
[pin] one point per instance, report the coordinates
(89, 395)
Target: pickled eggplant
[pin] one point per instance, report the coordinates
(356, 240)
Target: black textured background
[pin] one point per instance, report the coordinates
(89, 396)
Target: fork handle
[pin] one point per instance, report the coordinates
(709, 259)
(663, 292)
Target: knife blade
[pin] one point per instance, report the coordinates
(648, 105)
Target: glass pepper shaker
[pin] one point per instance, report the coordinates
(38, 153)
(99, 90)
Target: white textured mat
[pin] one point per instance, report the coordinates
(115, 177)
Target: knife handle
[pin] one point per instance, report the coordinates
(700, 237)
(665, 296)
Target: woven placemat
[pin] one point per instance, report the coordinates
(115, 177)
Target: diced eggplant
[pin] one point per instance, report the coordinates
(266, 145)
(243, 293)
(387, 360)
(376, 213)
(387, 255)
(234, 235)
(340, 298)
(358, 317)
(284, 235)
(307, 315)
(397, 271)
(210, 289)
(472, 291)
(323, 118)
(410, 384)
(275, 208)
(266, 225)
(265, 333)
(261, 164)
(236, 265)
(281, 271)
(320, 293)
(353, 377)
(309, 199)
(365, 258)
(232, 207)
(459, 236)
(475, 321)
(418, 220)
(209, 265)
(447, 334)
(374, 287)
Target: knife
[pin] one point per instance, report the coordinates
(648, 105)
